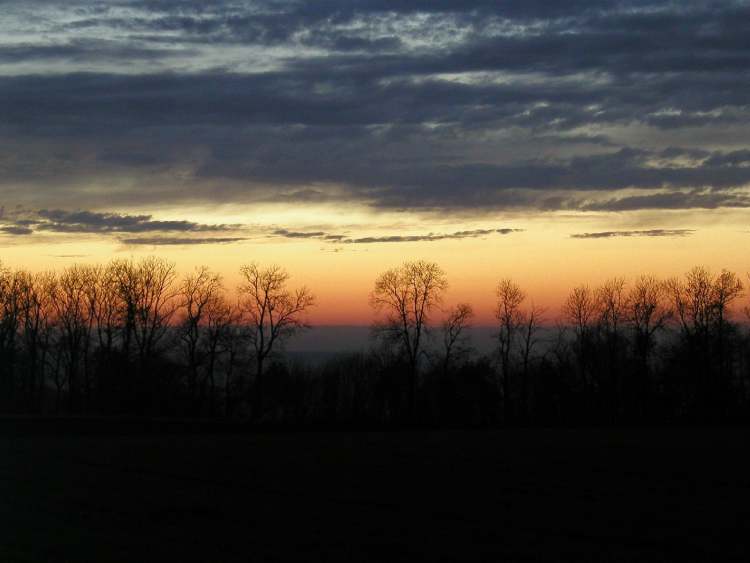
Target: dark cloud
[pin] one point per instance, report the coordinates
(58, 220)
(342, 239)
(320, 235)
(24, 222)
(731, 159)
(15, 230)
(397, 104)
(86, 51)
(178, 241)
(646, 233)
(299, 234)
(671, 200)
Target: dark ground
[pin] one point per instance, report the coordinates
(507, 495)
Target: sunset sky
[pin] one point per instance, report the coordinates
(552, 142)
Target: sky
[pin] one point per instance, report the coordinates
(556, 143)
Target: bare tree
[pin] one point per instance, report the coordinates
(71, 304)
(36, 330)
(510, 319)
(611, 303)
(647, 313)
(702, 302)
(89, 279)
(273, 313)
(199, 291)
(408, 294)
(580, 310)
(693, 302)
(531, 323)
(124, 275)
(228, 333)
(107, 308)
(155, 305)
(454, 329)
(147, 296)
(11, 310)
(727, 288)
(220, 320)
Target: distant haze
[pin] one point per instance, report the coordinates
(335, 339)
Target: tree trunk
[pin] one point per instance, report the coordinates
(257, 401)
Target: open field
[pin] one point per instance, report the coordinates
(507, 495)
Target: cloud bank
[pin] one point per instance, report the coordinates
(22, 222)
(342, 239)
(408, 105)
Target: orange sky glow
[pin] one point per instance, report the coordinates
(543, 257)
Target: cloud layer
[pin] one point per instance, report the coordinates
(143, 230)
(396, 105)
(646, 233)
(343, 239)
(21, 222)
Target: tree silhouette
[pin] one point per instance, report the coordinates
(36, 329)
(408, 294)
(727, 288)
(611, 305)
(701, 302)
(272, 314)
(131, 337)
(454, 329)
(510, 319)
(199, 293)
(648, 311)
(579, 310)
(220, 317)
(530, 325)
(10, 317)
(71, 303)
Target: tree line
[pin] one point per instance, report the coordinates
(133, 337)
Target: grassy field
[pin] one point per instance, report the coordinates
(512, 495)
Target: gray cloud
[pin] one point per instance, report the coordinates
(286, 233)
(61, 221)
(15, 230)
(178, 241)
(85, 51)
(342, 239)
(645, 233)
(21, 222)
(413, 104)
(672, 200)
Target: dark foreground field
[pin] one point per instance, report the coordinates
(514, 495)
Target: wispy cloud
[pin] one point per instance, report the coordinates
(92, 222)
(704, 199)
(430, 237)
(644, 233)
(286, 233)
(60, 221)
(178, 241)
(342, 239)
(17, 230)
